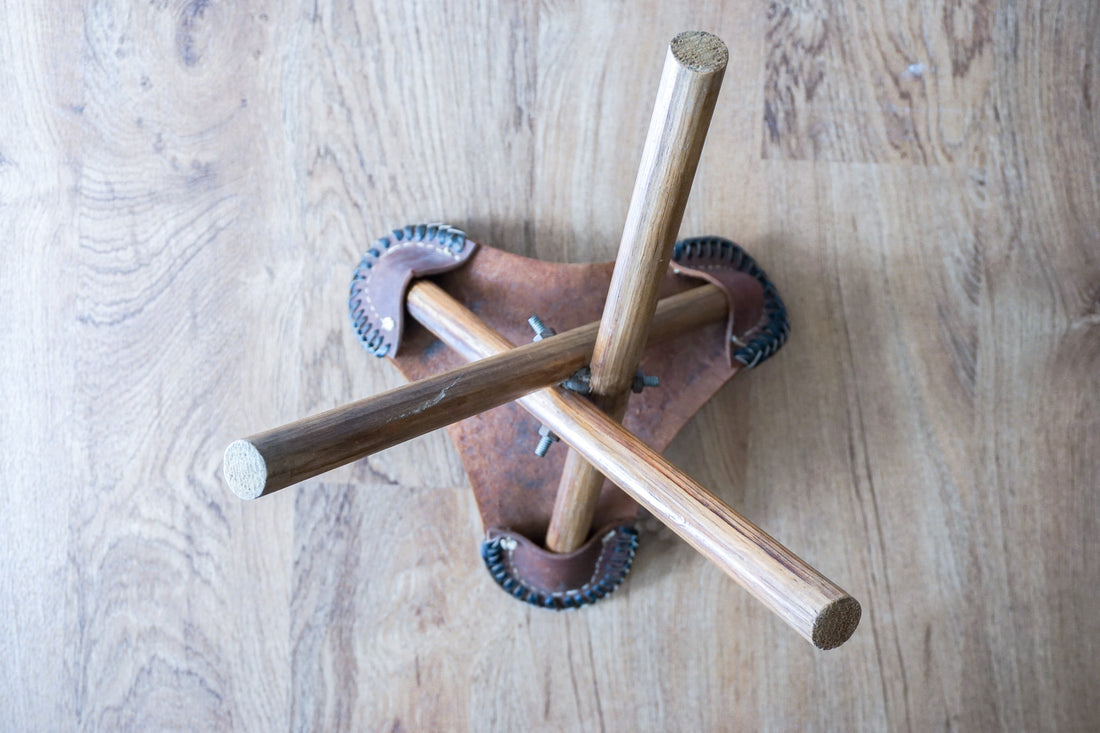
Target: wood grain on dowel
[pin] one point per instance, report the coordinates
(813, 605)
(692, 77)
(277, 458)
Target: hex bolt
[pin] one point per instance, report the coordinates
(540, 328)
(548, 438)
(580, 381)
(641, 381)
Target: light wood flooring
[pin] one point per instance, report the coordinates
(186, 186)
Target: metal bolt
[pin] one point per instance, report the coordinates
(540, 329)
(579, 381)
(641, 381)
(548, 438)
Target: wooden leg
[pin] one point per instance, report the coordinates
(809, 602)
(277, 458)
(692, 76)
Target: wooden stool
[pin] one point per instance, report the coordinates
(703, 305)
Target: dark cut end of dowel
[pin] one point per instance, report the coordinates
(245, 469)
(700, 51)
(836, 623)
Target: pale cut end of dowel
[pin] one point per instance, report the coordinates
(700, 51)
(836, 623)
(245, 469)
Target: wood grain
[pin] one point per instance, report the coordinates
(893, 83)
(695, 64)
(942, 377)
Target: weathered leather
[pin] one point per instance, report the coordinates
(744, 298)
(514, 489)
(566, 580)
(377, 298)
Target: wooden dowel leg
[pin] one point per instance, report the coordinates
(688, 90)
(809, 602)
(277, 458)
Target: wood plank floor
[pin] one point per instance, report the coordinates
(185, 187)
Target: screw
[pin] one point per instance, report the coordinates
(540, 329)
(641, 381)
(548, 438)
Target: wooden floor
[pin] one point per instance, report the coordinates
(186, 186)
